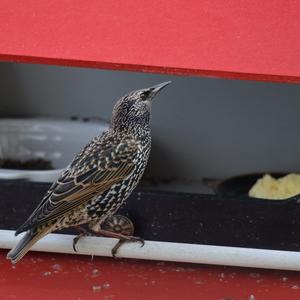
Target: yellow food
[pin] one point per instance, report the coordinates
(276, 189)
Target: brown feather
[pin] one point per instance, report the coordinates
(69, 193)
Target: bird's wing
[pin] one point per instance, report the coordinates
(91, 173)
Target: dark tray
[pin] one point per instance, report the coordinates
(182, 217)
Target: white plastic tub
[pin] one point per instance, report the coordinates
(55, 140)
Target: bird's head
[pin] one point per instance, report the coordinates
(133, 111)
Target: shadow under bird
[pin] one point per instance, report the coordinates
(101, 176)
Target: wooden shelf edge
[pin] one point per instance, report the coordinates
(149, 69)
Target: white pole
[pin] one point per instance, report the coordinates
(191, 253)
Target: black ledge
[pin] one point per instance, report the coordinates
(182, 217)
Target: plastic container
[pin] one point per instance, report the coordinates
(53, 140)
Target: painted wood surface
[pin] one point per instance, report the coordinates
(48, 276)
(232, 39)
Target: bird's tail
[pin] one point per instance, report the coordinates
(24, 245)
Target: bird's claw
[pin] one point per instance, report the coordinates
(77, 238)
(75, 241)
(137, 239)
(124, 240)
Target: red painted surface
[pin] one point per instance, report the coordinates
(48, 276)
(238, 39)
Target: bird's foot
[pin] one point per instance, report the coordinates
(82, 233)
(122, 239)
(120, 227)
(116, 226)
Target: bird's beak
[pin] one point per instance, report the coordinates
(156, 88)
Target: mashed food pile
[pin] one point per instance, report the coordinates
(278, 189)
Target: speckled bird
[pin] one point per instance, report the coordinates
(100, 178)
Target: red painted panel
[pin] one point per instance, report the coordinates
(50, 276)
(238, 39)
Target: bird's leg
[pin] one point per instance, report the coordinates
(122, 239)
(82, 232)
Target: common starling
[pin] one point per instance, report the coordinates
(101, 176)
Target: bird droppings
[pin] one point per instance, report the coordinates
(254, 275)
(47, 273)
(57, 267)
(295, 287)
(108, 297)
(97, 288)
(106, 285)
(39, 259)
(179, 269)
(95, 273)
(33, 260)
(78, 269)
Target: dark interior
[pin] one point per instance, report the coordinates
(203, 128)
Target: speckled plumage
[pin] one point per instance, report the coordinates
(101, 176)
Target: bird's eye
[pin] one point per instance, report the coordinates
(144, 95)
